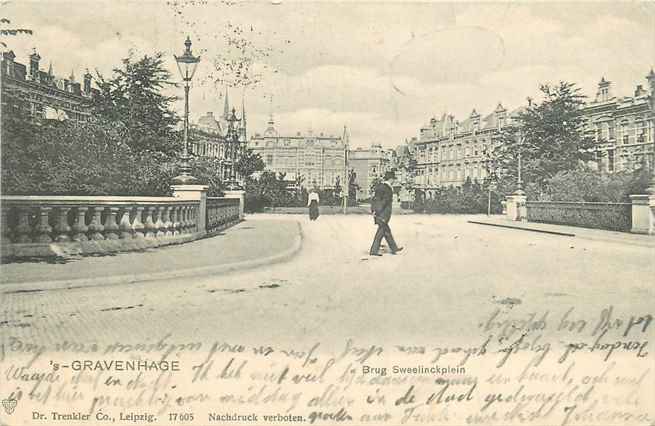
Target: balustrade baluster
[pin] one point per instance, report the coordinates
(111, 226)
(180, 219)
(95, 227)
(62, 229)
(189, 220)
(43, 229)
(174, 219)
(161, 227)
(127, 233)
(150, 227)
(79, 227)
(137, 225)
(23, 229)
(194, 219)
(168, 224)
(186, 224)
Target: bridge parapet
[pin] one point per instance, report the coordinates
(36, 226)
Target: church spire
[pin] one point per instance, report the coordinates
(243, 110)
(226, 108)
(242, 130)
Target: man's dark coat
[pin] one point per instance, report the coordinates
(382, 201)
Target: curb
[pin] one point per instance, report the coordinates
(606, 239)
(522, 228)
(37, 286)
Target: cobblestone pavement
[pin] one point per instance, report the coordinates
(333, 290)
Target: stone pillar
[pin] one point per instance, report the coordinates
(241, 195)
(643, 214)
(516, 208)
(194, 192)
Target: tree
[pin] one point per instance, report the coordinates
(550, 136)
(133, 98)
(67, 158)
(352, 187)
(337, 187)
(249, 163)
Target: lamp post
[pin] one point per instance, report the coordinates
(234, 144)
(187, 64)
(519, 183)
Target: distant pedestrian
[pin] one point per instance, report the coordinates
(381, 210)
(312, 203)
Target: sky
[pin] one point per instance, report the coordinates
(382, 69)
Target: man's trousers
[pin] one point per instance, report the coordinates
(383, 231)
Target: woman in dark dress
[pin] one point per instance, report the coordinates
(312, 203)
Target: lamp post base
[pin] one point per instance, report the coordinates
(233, 185)
(185, 179)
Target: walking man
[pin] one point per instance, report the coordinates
(381, 210)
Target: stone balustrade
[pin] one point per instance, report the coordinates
(609, 216)
(222, 213)
(42, 225)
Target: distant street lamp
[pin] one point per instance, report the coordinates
(187, 64)
(234, 149)
(519, 183)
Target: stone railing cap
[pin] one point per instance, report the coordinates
(97, 200)
(190, 187)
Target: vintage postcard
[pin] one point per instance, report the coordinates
(277, 212)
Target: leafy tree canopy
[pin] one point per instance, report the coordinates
(133, 97)
(550, 136)
(249, 163)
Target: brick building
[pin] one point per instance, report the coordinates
(43, 94)
(368, 164)
(316, 159)
(449, 151)
(623, 127)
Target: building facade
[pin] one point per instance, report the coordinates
(41, 93)
(222, 137)
(623, 127)
(449, 151)
(369, 164)
(315, 160)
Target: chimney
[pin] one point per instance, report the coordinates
(603, 94)
(87, 82)
(639, 91)
(34, 64)
(8, 59)
(651, 82)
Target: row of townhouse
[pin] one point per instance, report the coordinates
(448, 151)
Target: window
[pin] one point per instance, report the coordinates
(610, 160)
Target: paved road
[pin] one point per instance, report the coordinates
(454, 286)
(332, 290)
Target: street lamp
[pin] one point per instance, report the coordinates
(519, 183)
(234, 149)
(187, 64)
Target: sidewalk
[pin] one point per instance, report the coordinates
(567, 231)
(251, 243)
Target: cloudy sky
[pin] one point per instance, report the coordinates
(380, 68)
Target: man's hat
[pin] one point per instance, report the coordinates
(390, 174)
